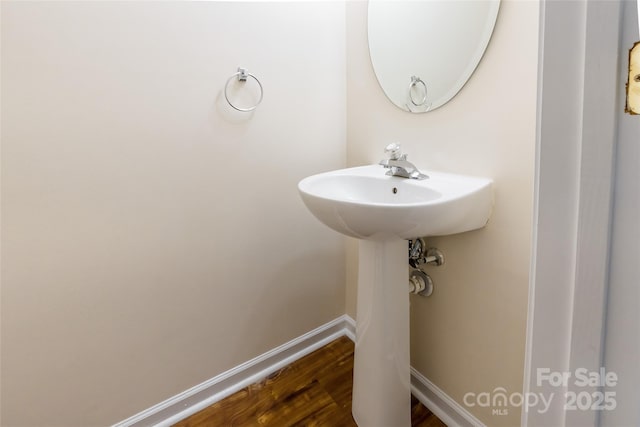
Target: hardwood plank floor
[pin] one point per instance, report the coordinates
(314, 391)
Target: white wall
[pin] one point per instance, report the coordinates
(151, 236)
(469, 336)
(622, 339)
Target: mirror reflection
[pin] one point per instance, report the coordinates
(424, 51)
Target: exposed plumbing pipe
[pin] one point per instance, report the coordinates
(420, 283)
(419, 254)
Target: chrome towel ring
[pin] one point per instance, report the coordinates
(414, 82)
(242, 75)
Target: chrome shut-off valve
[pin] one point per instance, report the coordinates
(420, 255)
(420, 283)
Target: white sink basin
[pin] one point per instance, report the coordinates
(365, 203)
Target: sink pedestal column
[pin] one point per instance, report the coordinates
(381, 377)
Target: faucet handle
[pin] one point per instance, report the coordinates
(393, 150)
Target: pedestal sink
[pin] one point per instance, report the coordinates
(383, 212)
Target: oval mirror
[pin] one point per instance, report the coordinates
(424, 51)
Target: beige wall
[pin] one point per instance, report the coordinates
(469, 336)
(151, 238)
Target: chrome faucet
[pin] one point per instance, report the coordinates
(398, 164)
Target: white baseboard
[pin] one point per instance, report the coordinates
(350, 327)
(217, 388)
(437, 401)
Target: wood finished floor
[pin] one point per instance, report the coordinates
(314, 391)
